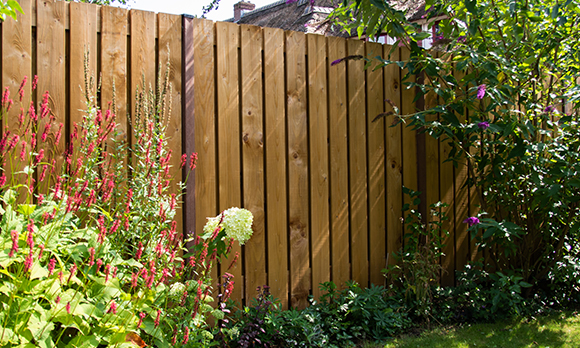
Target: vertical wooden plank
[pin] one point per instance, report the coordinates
(338, 134)
(275, 127)
(205, 126)
(376, 167)
(142, 65)
(230, 195)
(357, 124)
(319, 190)
(114, 71)
(447, 195)
(16, 65)
(462, 252)
(188, 124)
(50, 66)
(170, 49)
(83, 40)
(431, 157)
(394, 161)
(297, 168)
(409, 143)
(253, 154)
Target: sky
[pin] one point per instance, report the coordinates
(192, 7)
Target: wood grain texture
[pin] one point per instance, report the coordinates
(141, 63)
(229, 142)
(409, 143)
(298, 158)
(205, 125)
(188, 124)
(394, 161)
(114, 73)
(17, 65)
(170, 51)
(319, 187)
(338, 134)
(357, 123)
(51, 71)
(83, 42)
(376, 167)
(462, 247)
(447, 194)
(253, 154)
(205, 178)
(276, 166)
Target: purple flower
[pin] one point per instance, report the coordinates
(481, 91)
(550, 108)
(461, 38)
(471, 221)
(336, 62)
(483, 125)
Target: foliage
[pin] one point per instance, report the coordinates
(341, 318)
(90, 252)
(554, 330)
(418, 268)
(482, 296)
(507, 104)
(9, 8)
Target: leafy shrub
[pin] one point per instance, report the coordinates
(339, 319)
(90, 253)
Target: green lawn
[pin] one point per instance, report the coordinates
(557, 330)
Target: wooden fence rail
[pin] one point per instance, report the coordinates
(279, 129)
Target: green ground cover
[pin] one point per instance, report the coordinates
(556, 330)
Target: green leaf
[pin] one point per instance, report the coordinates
(379, 4)
(83, 342)
(471, 6)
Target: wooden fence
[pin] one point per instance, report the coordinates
(279, 130)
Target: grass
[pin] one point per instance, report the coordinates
(560, 330)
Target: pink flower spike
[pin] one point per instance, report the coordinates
(113, 308)
(68, 307)
(51, 265)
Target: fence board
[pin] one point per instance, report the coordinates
(170, 49)
(376, 167)
(462, 252)
(358, 164)
(275, 127)
(114, 70)
(297, 169)
(16, 65)
(394, 161)
(206, 189)
(83, 41)
(318, 129)
(142, 72)
(409, 142)
(253, 154)
(230, 195)
(338, 134)
(51, 67)
(447, 195)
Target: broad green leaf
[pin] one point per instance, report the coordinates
(83, 342)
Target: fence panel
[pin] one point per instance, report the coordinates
(279, 126)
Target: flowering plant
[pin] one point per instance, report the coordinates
(89, 252)
(501, 89)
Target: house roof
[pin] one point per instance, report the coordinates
(301, 16)
(296, 16)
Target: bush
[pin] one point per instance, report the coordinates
(90, 251)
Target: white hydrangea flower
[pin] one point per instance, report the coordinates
(176, 290)
(237, 223)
